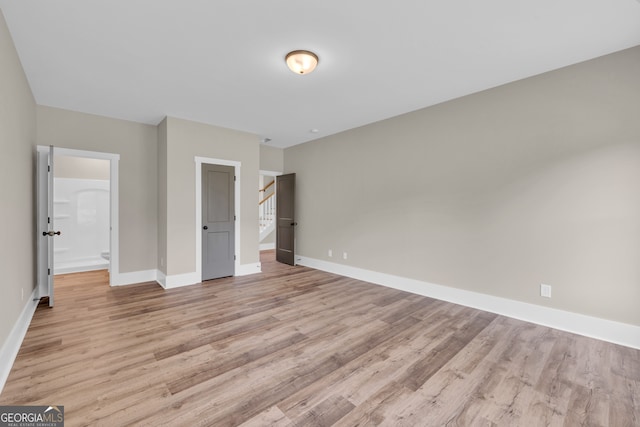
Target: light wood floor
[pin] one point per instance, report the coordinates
(296, 346)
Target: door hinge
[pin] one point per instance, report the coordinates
(48, 272)
(234, 217)
(48, 220)
(234, 178)
(48, 168)
(234, 257)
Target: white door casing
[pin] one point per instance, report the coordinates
(218, 219)
(199, 161)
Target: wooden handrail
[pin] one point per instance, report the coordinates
(267, 186)
(266, 198)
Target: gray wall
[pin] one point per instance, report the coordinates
(271, 238)
(137, 145)
(186, 140)
(271, 158)
(537, 181)
(17, 185)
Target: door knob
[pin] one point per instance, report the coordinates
(51, 233)
(205, 228)
(294, 223)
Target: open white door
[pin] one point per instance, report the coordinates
(45, 232)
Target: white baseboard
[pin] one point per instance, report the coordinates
(178, 280)
(186, 279)
(593, 327)
(161, 278)
(246, 269)
(122, 279)
(11, 346)
(267, 246)
(80, 268)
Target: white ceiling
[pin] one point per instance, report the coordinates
(222, 62)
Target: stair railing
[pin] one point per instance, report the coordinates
(267, 212)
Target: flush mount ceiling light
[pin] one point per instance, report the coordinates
(301, 61)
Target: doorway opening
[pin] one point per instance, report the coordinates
(267, 209)
(81, 188)
(89, 204)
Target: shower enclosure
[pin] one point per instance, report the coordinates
(81, 209)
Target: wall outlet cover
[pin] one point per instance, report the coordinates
(545, 291)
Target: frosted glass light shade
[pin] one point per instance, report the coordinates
(301, 61)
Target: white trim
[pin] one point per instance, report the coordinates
(70, 152)
(267, 246)
(161, 278)
(193, 278)
(593, 327)
(236, 165)
(114, 215)
(12, 344)
(188, 279)
(179, 280)
(114, 249)
(269, 173)
(247, 269)
(79, 268)
(135, 277)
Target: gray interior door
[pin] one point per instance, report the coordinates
(218, 221)
(285, 218)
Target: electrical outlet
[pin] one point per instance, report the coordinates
(344, 255)
(161, 262)
(545, 291)
(330, 253)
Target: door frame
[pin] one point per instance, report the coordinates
(273, 174)
(114, 242)
(199, 161)
(269, 173)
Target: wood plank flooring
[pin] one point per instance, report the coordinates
(294, 346)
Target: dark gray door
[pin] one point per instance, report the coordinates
(285, 218)
(218, 221)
